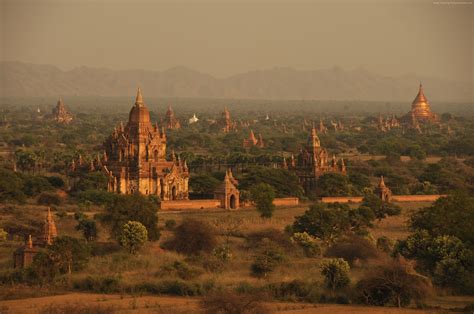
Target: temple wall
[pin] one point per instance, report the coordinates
(342, 199)
(394, 198)
(416, 198)
(190, 204)
(286, 201)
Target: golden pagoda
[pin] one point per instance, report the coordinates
(420, 109)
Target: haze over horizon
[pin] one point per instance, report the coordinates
(228, 37)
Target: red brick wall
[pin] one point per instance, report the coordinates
(286, 201)
(190, 204)
(342, 199)
(416, 198)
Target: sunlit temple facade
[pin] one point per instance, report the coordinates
(420, 110)
(60, 113)
(135, 159)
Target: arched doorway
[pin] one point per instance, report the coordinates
(232, 203)
(173, 193)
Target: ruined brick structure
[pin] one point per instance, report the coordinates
(170, 120)
(227, 192)
(313, 161)
(60, 113)
(135, 159)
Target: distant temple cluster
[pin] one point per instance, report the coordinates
(313, 161)
(23, 257)
(60, 113)
(135, 158)
(388, 123)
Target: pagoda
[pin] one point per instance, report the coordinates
(60, 113)
(421, 109)
(135, 159)
(313, 161)
(170, 120)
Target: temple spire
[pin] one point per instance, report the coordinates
(139, 99)
(30, 242)
(382, 182)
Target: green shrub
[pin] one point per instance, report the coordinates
(266, 262)
(384, 244)
(352, 249)
(336, 273)
(307, 243)
(98, 284)
(192, 237)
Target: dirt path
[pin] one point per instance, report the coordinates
(168, 305)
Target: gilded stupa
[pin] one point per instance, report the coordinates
(421, 109)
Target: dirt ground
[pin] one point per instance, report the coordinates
(170, 305)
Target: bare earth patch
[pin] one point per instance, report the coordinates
(164, 304)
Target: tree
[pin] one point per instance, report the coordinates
(336, 273)
(69, 254)
(381, 209)
(284, 182)
(452, 215)
(88, 228)
(193, 237)
(263, 195)
(267, 260)
(352, 249)
(11, 186)
(133, 236)
(392, 284)
(134, 207)
(333, 184)
(203, 184)
(329, 221)
(446, 258)
(307, 243)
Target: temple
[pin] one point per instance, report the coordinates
(253, 141)
(170, 121)
(60, 113)
(225, 122)
(135, 159)
(227, 192)
(23, 256)
(420, 110)
(313, 161)
(383, 192)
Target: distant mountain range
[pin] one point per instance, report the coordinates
(24, 79)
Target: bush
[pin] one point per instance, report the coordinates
(57, 182)
(258, 238)
(49, 198)
(230, 302)
(170, 224)
(96, 197)
(262, 195)
(307, 243)
(134, 207)
(180, 269)
(98, 284)
(336, 273)
(133, 236)
(295, 291)
(193, 237)
(392, 285)
(352, 249)
(384, 244)
(266, 262)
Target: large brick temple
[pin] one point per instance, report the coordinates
(135, 159)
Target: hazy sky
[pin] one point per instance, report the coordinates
(227, 37)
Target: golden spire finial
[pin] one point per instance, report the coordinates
(139, 99)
